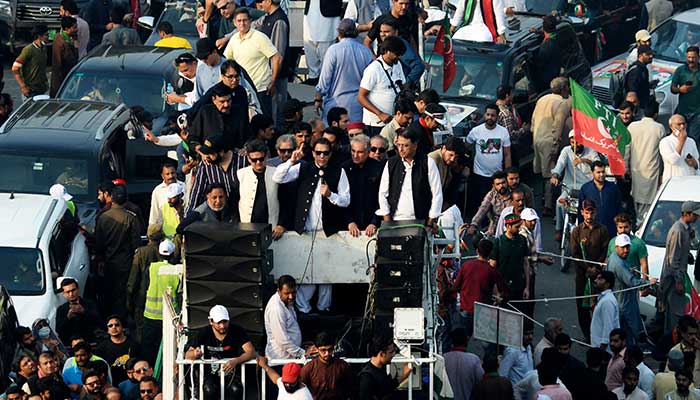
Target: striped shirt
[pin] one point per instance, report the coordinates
(206, 174)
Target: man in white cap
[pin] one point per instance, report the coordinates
(223, 341)
(168, 172)
(628, 301)
(173, 210)
(530, 230)
(163, 276)
(58, 191)
(574, 160)
(641, 38)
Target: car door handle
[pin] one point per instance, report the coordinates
(82, 267)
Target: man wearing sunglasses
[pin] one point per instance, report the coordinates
(148, 389)
(258, 201)
(378, 148)
(92, 385)
(117, 349)
(323, 193)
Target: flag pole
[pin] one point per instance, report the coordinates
(421, 50)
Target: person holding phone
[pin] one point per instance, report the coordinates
(678, 151)
(686, 84)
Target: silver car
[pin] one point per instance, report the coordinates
(669, 41)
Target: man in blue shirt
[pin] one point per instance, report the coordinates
(342, 70)
(605, 195)
(517, 362)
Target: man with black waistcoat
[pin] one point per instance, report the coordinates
(258, 201)
(405, 199)
(364, 174)
(275, 24)
(322, 194)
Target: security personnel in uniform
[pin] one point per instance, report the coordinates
(323, 193)
(117, 236)
(138, 277)
(162, 275)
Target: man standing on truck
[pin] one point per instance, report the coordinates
(30, 66)
(64, 53)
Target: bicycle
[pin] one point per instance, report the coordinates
(570, 221)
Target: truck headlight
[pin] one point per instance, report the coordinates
(5, 8)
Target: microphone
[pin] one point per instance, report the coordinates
(320, 173)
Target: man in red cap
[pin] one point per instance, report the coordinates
(289, 384)
(510, 256)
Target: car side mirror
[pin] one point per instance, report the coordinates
(146, 22)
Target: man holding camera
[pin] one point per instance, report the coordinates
(686, 84)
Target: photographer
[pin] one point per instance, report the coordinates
(381, 84)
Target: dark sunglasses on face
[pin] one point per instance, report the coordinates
(285, 151)
(232, 76)
(322, 153)
(149, 391)
(381, 150)
(142, 370)
(256, 160)
(113, 325)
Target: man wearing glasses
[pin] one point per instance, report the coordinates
(323, 193)
(378, 148)
(258, 201)
(117, 349)
(92, 385)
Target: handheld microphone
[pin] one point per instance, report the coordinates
(320, 173)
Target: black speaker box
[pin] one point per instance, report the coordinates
(228, 268)
(219, 239)
(390, 272)
(228, 294)
(250, 319)
(402, 240)
(388, 298)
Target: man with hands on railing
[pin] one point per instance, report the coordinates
(289, 384)
(222, 341)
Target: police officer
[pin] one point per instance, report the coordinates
(117, 236)
(138, 277)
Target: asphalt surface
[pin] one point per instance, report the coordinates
(550, 282)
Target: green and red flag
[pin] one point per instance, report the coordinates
(599, 128)
(692, 307)
(443, 46)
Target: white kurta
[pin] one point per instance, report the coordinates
(644, 158)
(477, 31)
(674, 163)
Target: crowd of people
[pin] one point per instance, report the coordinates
(245, 154)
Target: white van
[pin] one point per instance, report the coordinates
(40, 244)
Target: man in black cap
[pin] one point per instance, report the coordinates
(219, 166)
(226, 116)
(209, 69)
(431, 119)
(637, 77)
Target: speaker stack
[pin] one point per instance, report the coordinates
(400, 260)
(229, 264)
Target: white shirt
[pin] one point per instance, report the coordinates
(488, 148)
(288, 172)
(674, 163)
(565, 167)
(637, 394)
(528, 387)
(517, 5)
(646, 379)
(404, 208)
(381, 93)
(282, 329)
(501, 227)
(159, 197)
(207, 76)
(318, 28)
(435, 14)
(191, 97)
(477, 30)
(301, 394)
(606, 317)
(351, 12)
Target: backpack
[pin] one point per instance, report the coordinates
(618, 84)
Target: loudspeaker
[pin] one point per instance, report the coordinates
(219, 239)
(388, 298)
(228, 294)
(398, 273)
(250, 319)
(228, 268)
(402, 240)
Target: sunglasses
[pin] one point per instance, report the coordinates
(113, 325)
(322, 153)
(232, 76)
(381, 150)
(143, 370)
(256, 160)
(144, 391)
(92, 384)
(285, 151)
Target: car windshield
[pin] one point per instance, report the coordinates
(665, 214)
(147, 91)
(475, 77)
(671, 39)
(542, 7)
(22, 271)
(182, 17)
(36, 174)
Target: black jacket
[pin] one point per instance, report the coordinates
(637, 80)
(329, 8)
(82, 325)
(364, 189)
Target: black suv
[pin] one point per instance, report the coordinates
(78, 144)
